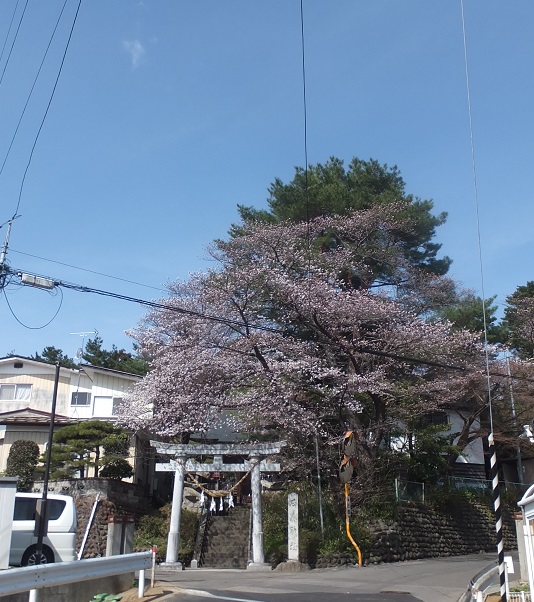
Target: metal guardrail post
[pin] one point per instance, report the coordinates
(141, 590)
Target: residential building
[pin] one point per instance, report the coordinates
(85, 393)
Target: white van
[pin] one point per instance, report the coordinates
(58, 545)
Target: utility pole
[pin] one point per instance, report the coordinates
(3, 253)
(41, 514)
(4, 269)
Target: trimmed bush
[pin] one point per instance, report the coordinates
(21, 462)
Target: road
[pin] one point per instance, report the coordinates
(430, 580)
(309, 597)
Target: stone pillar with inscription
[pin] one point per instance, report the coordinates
(293, 527)
(293, 563)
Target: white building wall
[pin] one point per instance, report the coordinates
(474, 452)
(41, 378)
(103, 389)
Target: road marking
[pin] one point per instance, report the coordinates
(202, 594)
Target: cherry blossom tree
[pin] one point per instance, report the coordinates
(301, 342)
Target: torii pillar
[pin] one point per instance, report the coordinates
(258, 557)
(173, 539)
(181, 463)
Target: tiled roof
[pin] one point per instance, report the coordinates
(31, 416)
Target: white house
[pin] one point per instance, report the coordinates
(85, 393)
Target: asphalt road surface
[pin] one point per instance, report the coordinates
(431, 580)
(296, 597)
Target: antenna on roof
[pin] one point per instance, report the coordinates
(79, 352)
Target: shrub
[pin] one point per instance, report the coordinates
(117, 469)
(311, 539)
(153, 529)
(21, 462)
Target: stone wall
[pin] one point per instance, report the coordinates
(124, 494)
(116, 498)
(97, 539)
(422, 532)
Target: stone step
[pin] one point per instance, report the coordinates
(231, 564)
(227, 550)
(228, 540)
(234, 533)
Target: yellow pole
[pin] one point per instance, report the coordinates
(347, 524)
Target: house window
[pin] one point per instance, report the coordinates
(80, 398)
(116, 403)
(436, 419)
(14, 392)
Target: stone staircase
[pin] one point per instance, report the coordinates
(227, 540)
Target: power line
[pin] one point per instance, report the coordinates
(493, 456)
(272, 329)
(33, 327)
(9, 30)
(32, 88)
(304, 101)
(68, 265)
(48, 105)
(14, 40)
(240, 324)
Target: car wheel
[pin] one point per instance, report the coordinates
(30, 556)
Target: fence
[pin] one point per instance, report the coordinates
(409, 491)
(470, 483)
(483, 484)
(519, 597)
(32, 578)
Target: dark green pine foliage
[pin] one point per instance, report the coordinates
(94, 354)
(465, 311)
(114, 359)
(331, 189)
(518, 320)
(114, 462)
(77, 450)
(53, 355)
(22, 462)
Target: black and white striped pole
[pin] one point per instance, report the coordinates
(498, 515)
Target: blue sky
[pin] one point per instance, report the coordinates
(168, 114)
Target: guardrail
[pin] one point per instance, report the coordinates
(32, 578)
(479, 583)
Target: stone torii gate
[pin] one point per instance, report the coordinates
(182, 463)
